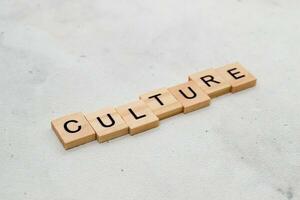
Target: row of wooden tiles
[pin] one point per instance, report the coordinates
(138, 116)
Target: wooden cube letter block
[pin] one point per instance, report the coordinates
(108, 124)
(73, 130)
(237, 76)
(190, 95)
(138, 117)
(162, 103)
(211, 82)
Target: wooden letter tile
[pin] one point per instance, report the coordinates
(108, 124)
(211, 82)
(73, 130)
(162, 103)
(138, 116)
(237, 76)
(190, 95)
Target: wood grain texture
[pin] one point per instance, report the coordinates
(138, 116)
(162, 103)
(211, 82)
(237, 76)
(73, 130)
(107, 123)
(190, 95)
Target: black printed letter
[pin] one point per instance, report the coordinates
(156, 97)
(234, 73)
(208, 78)
(191, 97)
(70, 131)
(134, 115)
(105, 125)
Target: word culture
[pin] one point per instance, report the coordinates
(138, 116)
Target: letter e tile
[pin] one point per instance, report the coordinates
(237, 76)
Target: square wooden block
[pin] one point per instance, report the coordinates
(162, 103)
(237, 76)
(107, 123)
(190, 95)
(138, 116)
(211, 82)
(73, 130)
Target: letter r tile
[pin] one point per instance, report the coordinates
(138, 117)
(211, 82)
(73, 130)
(162, 103)
(190, 95)
(107, 123)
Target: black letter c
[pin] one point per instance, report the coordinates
(71, 131)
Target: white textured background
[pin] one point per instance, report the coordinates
(58, 57)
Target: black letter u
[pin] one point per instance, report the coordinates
(189, 97)
(107, 125)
